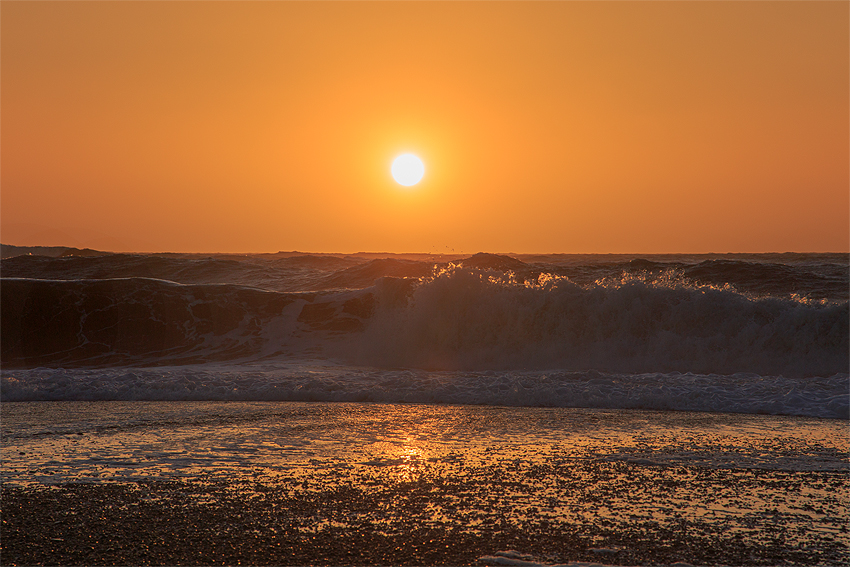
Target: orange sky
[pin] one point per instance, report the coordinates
(544, 127)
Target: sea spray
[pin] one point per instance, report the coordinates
(474, 319)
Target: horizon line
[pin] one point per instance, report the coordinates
(452, 253)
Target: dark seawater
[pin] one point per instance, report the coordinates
(751, 333)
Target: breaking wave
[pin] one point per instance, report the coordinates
(754, 334)
(457, 319)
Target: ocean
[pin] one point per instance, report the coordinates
(415, 409)
(746, 333)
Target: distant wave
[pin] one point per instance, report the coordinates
(810, 276)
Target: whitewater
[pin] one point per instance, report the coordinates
(753, 334)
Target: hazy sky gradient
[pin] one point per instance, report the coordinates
(544, 127)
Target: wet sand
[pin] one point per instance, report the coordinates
(615, 513)
(555, 496)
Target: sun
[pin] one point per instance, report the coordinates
(408, 170)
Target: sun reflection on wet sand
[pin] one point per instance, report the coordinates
(612, 479)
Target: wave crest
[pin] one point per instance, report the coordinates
(469, 318)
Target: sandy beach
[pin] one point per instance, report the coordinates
(580, 485)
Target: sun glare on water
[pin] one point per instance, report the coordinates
(408, 170)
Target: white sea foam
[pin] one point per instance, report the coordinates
(825, 397)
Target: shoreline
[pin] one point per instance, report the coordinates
(398, 484)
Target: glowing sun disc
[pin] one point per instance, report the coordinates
(408, 170)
